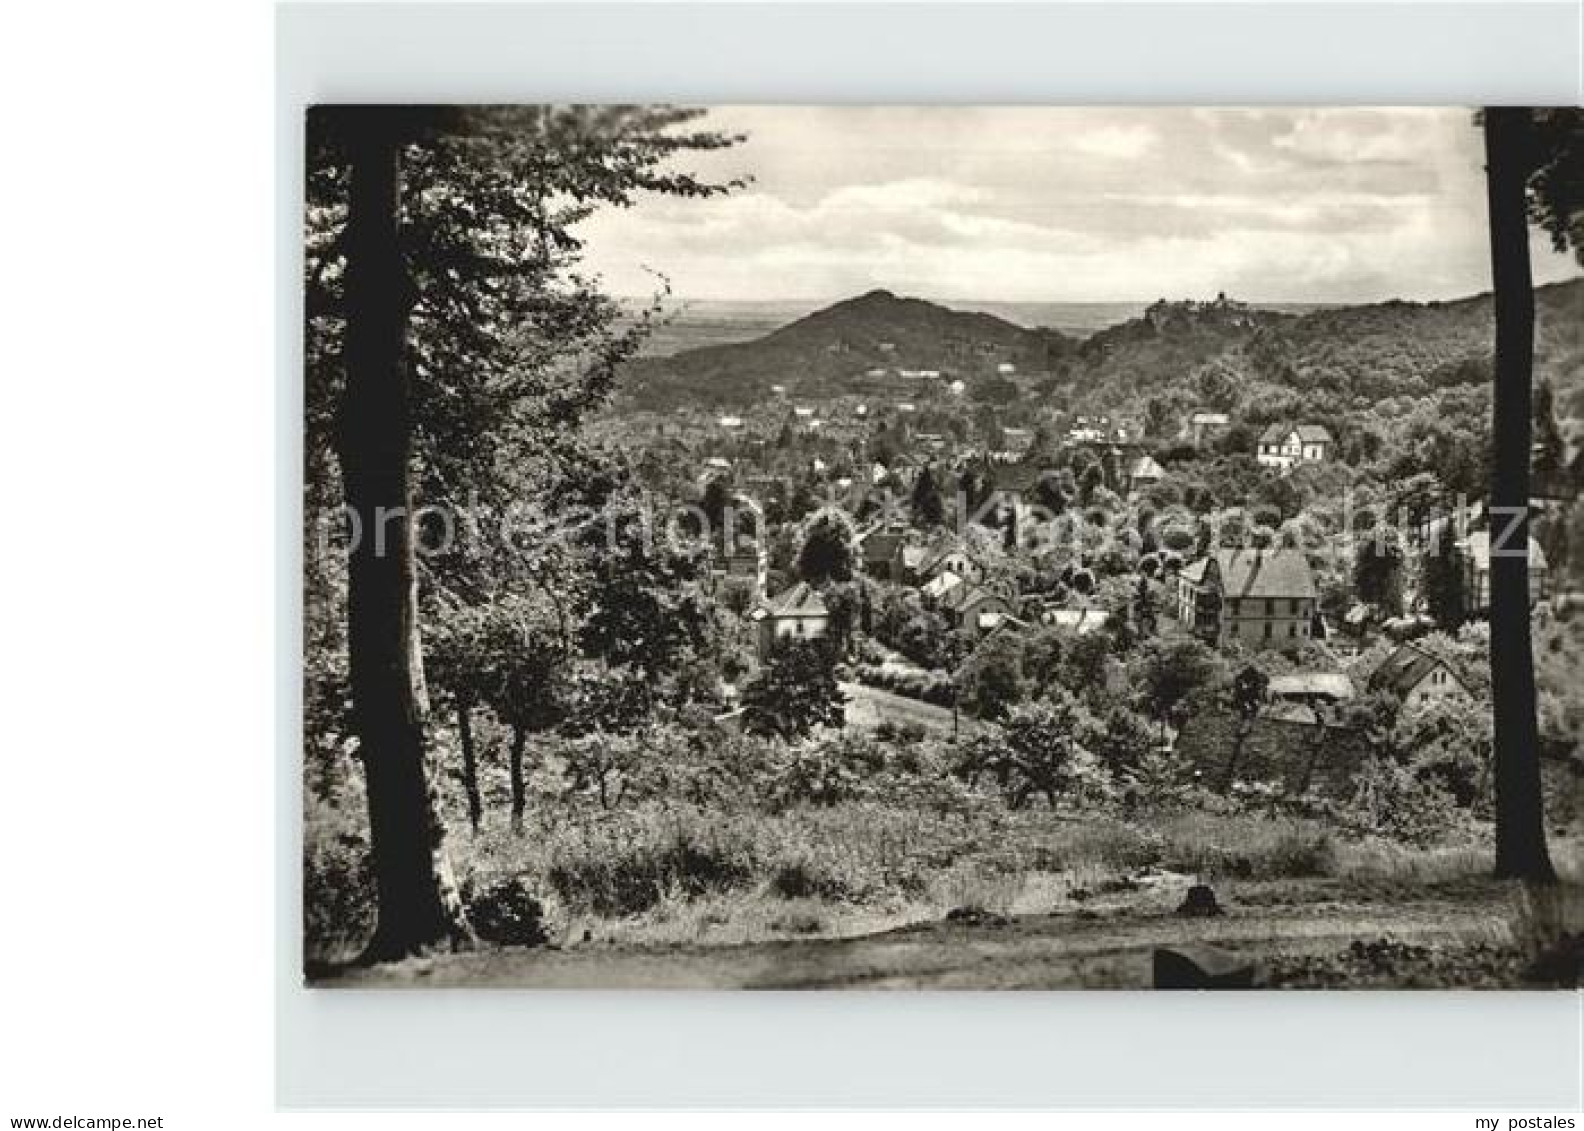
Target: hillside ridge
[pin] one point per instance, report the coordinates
(827, 351)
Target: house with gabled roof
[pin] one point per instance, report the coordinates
(953, 556)
(1144, 472)
(1420, 678)
(1262, 597)
(1283, 447)
(974, 608)
(797, 613)
(941, 584)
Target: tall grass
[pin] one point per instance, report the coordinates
(862, 861)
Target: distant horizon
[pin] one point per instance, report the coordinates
(960, 300)
(939, 300)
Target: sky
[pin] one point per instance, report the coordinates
(1072, 205)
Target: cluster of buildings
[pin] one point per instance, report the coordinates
(945, 572)
(1251, 597)
(1255, 598)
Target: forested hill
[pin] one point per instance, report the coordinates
(1177, 353)
(823, 352)
(1348, 357)
(1398, 348)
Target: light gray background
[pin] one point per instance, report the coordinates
(481, 1049)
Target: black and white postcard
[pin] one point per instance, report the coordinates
(925, 548)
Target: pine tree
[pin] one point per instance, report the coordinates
(1377, 571)
(929, 510)
(826, 554)
(1550, 449)
(1442, 582)
(1146, 608)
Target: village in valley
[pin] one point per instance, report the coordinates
(947, 531)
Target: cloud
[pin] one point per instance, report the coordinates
(1121, 142)
(1073, 205)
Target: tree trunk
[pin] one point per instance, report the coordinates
(419, 905)
(1239, 737)
(1315, 749)
(1520, 820)
(470, 784)
(519, 788)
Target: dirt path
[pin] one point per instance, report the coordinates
(1032, 952)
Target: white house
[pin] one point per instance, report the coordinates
(1283, 447)
(1145, 472)
(955, 559)
(798, 613)
(941, 584)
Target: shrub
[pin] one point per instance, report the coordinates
(629, 864)
(503, 910)
(1300, 851)
(867, 650)
(827, 773)
(1253, 848)
(802, 921)
(926, 686)
(339, 911)
(1161, 779)
(813, 875)
(1393, 801)
(1043, 749)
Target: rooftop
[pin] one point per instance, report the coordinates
(802, 600)
(1146, 467)
(1264, 573)
(1406, 665)
(1334, 685)
(881, 545)
(1307, 433)
(1081, 621)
